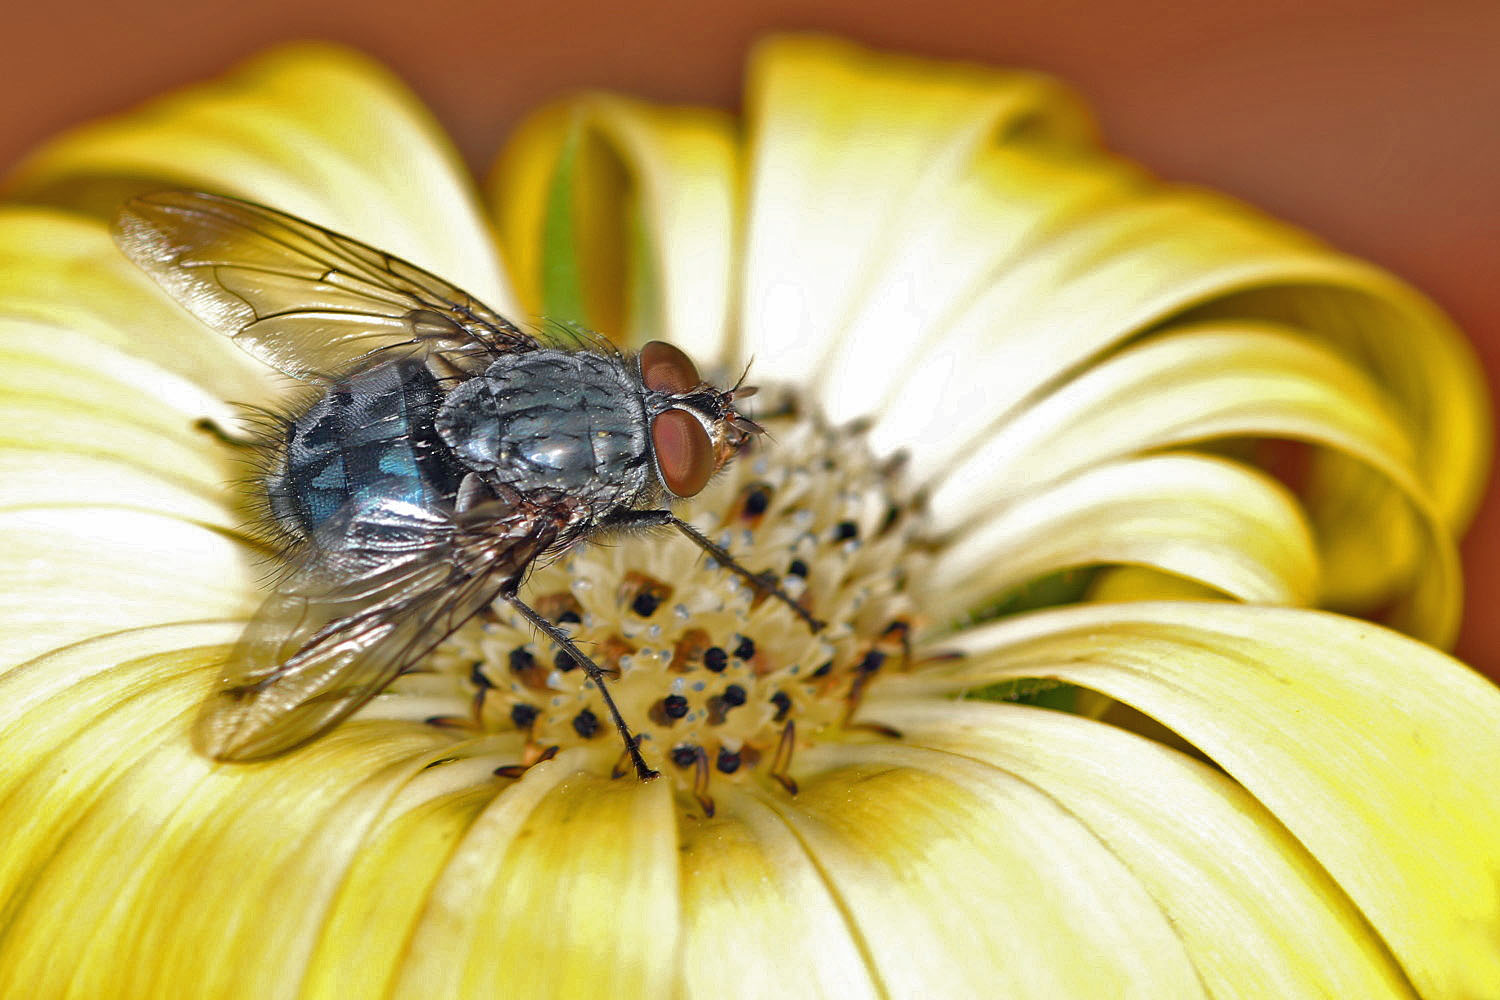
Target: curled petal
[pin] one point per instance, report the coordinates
(1232, 381)
(623, 216)
(1212, 521)
(823, 216)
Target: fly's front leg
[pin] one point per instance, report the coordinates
(595, 673)
(766, 583)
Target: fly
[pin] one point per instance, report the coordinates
(439, 454)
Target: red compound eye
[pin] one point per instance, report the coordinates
(664, 368)
(684, 454)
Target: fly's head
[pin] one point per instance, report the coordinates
(695, 427)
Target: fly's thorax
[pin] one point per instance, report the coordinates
(552, 420)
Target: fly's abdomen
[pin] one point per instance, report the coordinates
(369, 438)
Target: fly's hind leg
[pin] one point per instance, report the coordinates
(595, 673)
(766, 583)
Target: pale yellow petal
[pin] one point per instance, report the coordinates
(1212, 521)
(312, 129)
(962, 881)
(367, 930)
(758, 920)
(846, 145)
(955, 237)
(1137, 583)
(91, 308)
(87, 424)
(653, 216)
(566, 883)
(1375, 751)
(204, 884)
(1260, 918)
(76, 572)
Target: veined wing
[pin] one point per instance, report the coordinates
(391, 582)
(305, 300)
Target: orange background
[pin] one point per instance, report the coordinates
(1374, 123)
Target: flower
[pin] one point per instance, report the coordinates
(1093, 377)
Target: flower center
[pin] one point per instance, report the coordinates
(718, 681)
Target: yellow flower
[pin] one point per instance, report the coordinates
(1082, 366)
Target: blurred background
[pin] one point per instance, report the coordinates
(1375, 123)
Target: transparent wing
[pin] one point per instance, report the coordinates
(383, 585)
(305, 300)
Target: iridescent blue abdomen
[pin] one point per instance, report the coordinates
(368, 438)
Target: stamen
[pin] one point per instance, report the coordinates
(781, 764)
(700, 782)
(532, 760)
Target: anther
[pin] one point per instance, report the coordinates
(734, 696)
(757, 499)
(700, 782)
(524, 667)
(684, 755)
(727, 762)
(715, 659)
(477, 677)
(561, 608)
(783, 703)
(516, 770)
(892, 514)
(643, 594)
(522, 715)
(746, 649)
(585, 724)
(781, 764)
(797, 568)
(845, 531)
(449, 722)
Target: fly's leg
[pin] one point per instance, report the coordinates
(595, 674)
(765, 583)
(224, 435)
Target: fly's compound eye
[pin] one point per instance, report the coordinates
(665, 368)
(684, 454)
